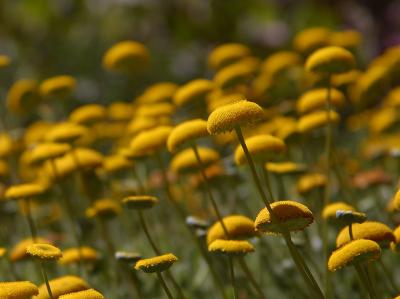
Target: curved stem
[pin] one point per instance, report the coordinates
(31, 223)
(232, 274)
(46, 279)
(389, 277)
(147, 233)
(364, 281)
(164, 285)
(250, 276)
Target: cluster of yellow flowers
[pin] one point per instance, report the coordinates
(307, 137)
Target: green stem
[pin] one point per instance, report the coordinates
(164, 285)
(139, 182)
(364, 281)
(31, 223)
(299, 262)
(46, 279)
(250, 276)
(232, 274)
(389, 277)
(147, 233)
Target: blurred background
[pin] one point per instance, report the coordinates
(52, 37)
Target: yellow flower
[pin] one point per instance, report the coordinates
(330, 60)
(62, 285)
(185, 161)
(24, 191)
(149, 141)
(261, 147)
(105, 208)
(156, 110)
(120, 111)
(156, 264)
(231, 247)
(285, 167)
(86, 294)
(19, 253)
(280, 61)
(347, 78)
(329, 211)
(44, 251)
(317, 119)
(48, 150)
(371, 230)
(293, 215)
(224, 99)
(238, 227)
(88, 114)
(392, 99)
(185, 133)
(395, 244)
(158, 92)
(236, 73)
(309, 182)
(310, 39)
(226, 54)
(139, 124)
(227, 117)
(17, 290)
(193, 91)
(315, 99)
(58, 86)
(75, 255)
(65, 132)
(36, 133)
(355, 252)
(126, 56)
(396, 201)
(2, 251)
(139, 202)
(347, 39)
(115, 163)
(22, 96)
(4, 61)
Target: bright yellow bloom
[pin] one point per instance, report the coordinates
(17, 290)
(285, 167)
(120, 111)
(224, 99)
(115, 163)
(310, 39)
(356, 251)
(280, 61)
(186, 161)
(261, 147)
(58, 86)
(139, 202)
(48, 150)
(316, 120)
(85, 294)
(231, 247)
(392, 99)
(4, 61)
(104, 208)
(226, 54)
(193, 91)
(236, 73)
(309, 182)
(291, 214)
(185, 133)
(63, 285)
(126, 57)
(156, 264)
(329, 211)
(75, 255)
(22, 96)
(371, 230)
(163, 109)
(44, 251)
(19, 253)
(330, 60)
(88, 114)
(237, 226)
(315, 99)
(394, 246)
(149, 141)
(227, 117)
(347, 39)
(24, 191)
(347, 78)
(65, 132)
(158, 92)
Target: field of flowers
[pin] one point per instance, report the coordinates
(261, 172)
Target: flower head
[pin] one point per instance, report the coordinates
(24, 191)
(285, 167)
(280, 61)
(310, 39)
(46, 151)
(139, 202)
(315, 99)
(75, 255)
(330, 60)
(195, 90)
(149, 141)
(226, 54)
(44, 251)
(22, 96)
(186, 161)
(354, 252)
(237, 226)
(58, 86)
(18, 290)
(186, 132)
(231, 247)
(62, 285)
(104, 208)
(126, 56)
(309, 182)
(316, 120)
(158, 92)
(85, 294)
(88, 114)
(65, 132)
(156, 264)
(293, 215)
(329, 211)
(19, 253)
(227, 117)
